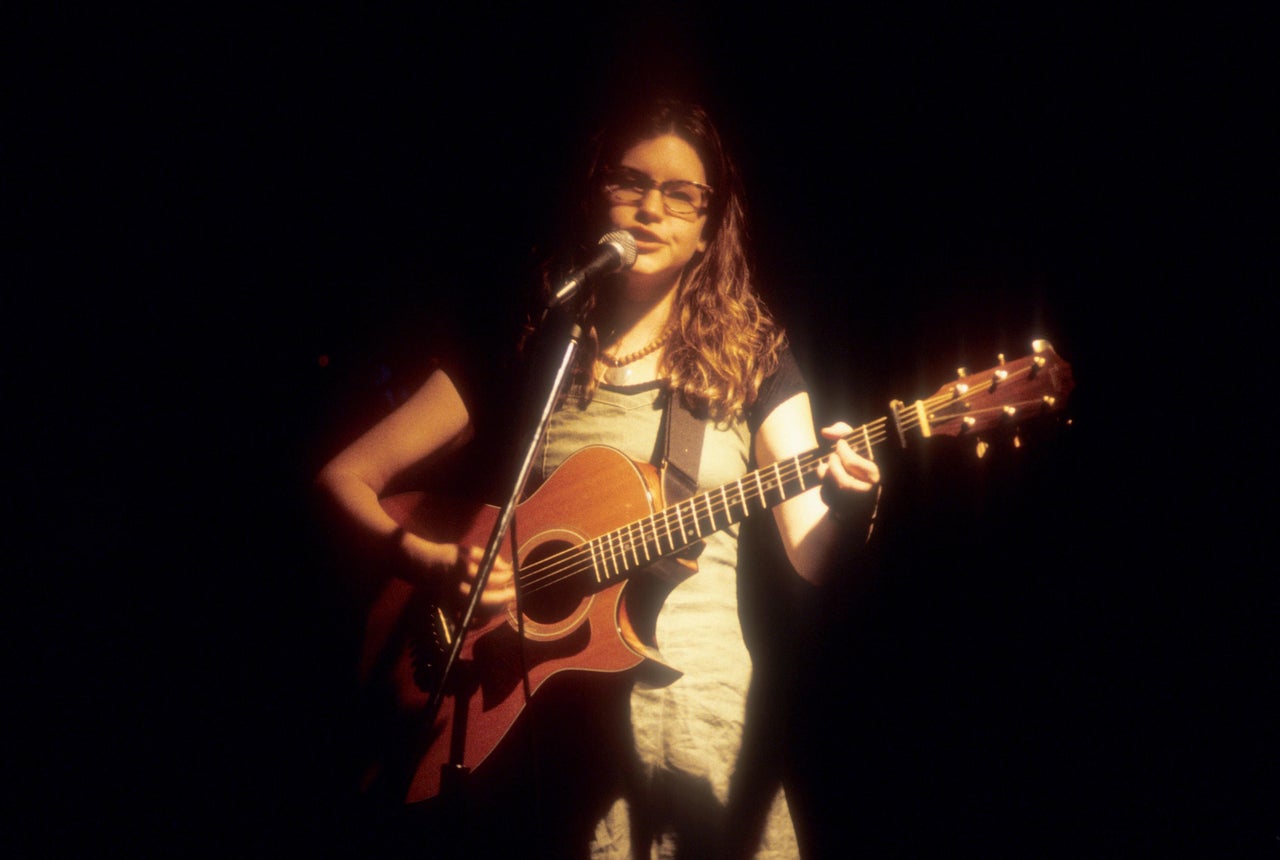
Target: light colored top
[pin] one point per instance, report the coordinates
(687, 734)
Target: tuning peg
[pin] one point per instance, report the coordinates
(999, 376)
(1049, 401)
(962, 372)
(1000, 357)
(1009, 411)
(1037, 362)
(960, 389)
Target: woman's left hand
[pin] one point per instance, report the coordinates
(845, 472)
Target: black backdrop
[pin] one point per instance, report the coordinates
(241, 222)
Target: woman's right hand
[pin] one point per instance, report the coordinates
(459, 565)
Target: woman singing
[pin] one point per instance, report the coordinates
(681, 328)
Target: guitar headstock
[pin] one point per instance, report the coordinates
(999, 397)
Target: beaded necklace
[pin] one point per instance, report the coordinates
(617, 370)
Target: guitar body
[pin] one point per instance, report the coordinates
(579, 625)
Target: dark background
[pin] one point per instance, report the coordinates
(234, 226)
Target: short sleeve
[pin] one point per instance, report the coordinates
(779, 387)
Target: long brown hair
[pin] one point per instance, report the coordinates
(723, 343)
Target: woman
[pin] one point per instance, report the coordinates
(681, 325)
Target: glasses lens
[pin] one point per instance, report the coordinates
(625, 186)
(683, 198)
(624, 193)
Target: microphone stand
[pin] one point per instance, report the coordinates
(454, 771)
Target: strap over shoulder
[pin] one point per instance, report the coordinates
(683, 434)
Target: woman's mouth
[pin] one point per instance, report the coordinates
(645, 240)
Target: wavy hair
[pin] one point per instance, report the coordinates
(722, 342)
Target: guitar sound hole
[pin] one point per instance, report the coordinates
(550, 594)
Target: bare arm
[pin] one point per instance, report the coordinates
(434, 420)
(809, 535)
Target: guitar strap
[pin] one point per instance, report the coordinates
(683, 433)
(680, 440)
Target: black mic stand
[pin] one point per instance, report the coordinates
(455, 772)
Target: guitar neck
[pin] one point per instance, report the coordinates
(996, 397)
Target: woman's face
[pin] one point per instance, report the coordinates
(665, 243)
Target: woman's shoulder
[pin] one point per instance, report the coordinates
(481, 353)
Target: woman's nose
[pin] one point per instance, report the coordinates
(650, 206)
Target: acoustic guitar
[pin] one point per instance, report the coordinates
(582, 535)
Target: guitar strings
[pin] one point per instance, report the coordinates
(623, 549)
(614, 546)
(622, 546)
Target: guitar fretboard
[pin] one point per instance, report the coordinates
(1020, 388)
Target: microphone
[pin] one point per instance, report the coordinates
(617, 252)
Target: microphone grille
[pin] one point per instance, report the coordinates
(625, 243)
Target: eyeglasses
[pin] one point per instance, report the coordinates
(680, 197)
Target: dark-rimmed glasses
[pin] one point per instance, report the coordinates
(680, 197)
